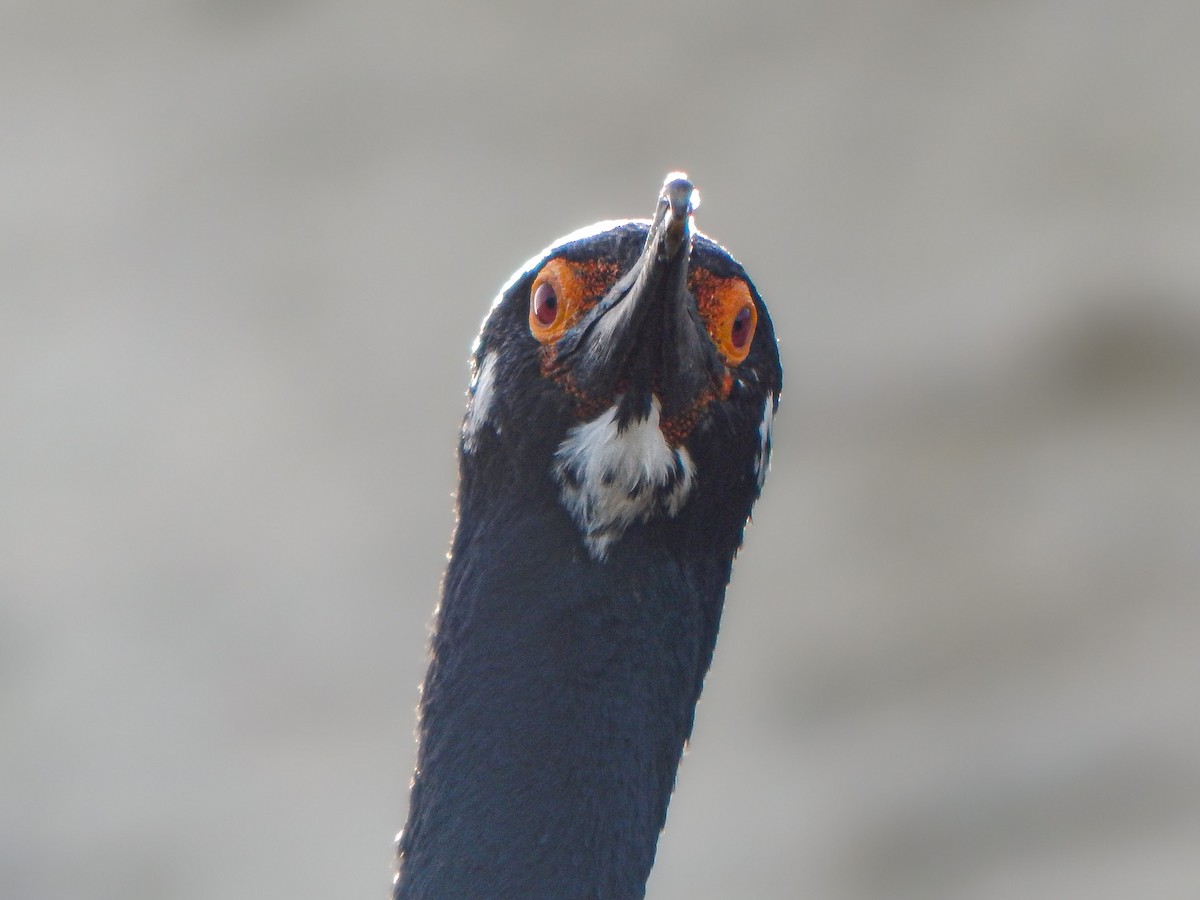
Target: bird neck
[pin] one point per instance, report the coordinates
(558, 700)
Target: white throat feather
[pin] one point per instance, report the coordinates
(612, 477)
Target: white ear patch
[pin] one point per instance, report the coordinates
(766, 429)
(481, 392)
(612, 478)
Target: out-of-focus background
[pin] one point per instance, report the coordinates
(244, 248)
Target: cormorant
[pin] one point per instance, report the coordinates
(617, 434)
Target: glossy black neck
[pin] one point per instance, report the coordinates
(557, 704)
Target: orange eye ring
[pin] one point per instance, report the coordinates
(728, 311)
(555, 300)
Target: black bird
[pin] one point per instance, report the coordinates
(617, 434)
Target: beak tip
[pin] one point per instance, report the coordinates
(677, 202)
(680, 194)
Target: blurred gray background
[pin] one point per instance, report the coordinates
(244, 249)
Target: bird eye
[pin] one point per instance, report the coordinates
(740, 331)
(544, 304)
(728, 311)
(562, 291)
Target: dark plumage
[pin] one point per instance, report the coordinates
(614, 444)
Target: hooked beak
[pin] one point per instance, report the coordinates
(644, 339)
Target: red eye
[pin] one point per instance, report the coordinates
(563, 291)
(556, 300)
(741, 329)
(544, 303)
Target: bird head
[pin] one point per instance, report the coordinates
(633, 368)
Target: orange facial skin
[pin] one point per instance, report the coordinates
(576, 285)
(564, 290)
(720, 301)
